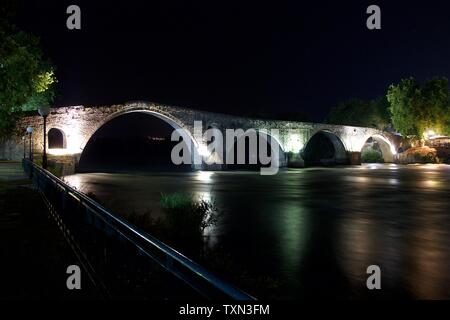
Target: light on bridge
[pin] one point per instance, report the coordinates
(294, 143)
(61, 152)
(429, 134)
(203, 151)
(73, 141)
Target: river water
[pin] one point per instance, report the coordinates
(314, 231)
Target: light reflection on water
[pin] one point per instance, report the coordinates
(315, 229)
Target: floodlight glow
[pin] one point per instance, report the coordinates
(203, 151)
(429, 134)
(294, 143)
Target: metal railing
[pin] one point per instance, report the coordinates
(127, 260)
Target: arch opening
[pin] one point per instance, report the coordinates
(251, 156)
(133, 141)
(56, 139)
(377, 149)
(325, 149)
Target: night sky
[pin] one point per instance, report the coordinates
(228, 57)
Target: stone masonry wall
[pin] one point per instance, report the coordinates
(79, 123)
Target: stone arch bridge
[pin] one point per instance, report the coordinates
(77, 124)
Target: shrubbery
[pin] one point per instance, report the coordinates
(418, 155)
(371, 156)
(428, 158)
(188, 215)
(185, 217)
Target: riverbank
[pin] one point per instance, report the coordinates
(33, 252)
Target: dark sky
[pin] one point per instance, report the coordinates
(226, 56)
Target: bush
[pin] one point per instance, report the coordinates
(371, 156)
(188, 215)
(427, 158)
(418, 155)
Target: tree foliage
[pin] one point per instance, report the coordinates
(26, 77)
(416, 107)
(410, 107)
(356, 112)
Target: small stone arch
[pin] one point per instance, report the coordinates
(387, 149)
(56, 139)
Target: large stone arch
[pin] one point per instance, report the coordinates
(340, 154)
(174, 122)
